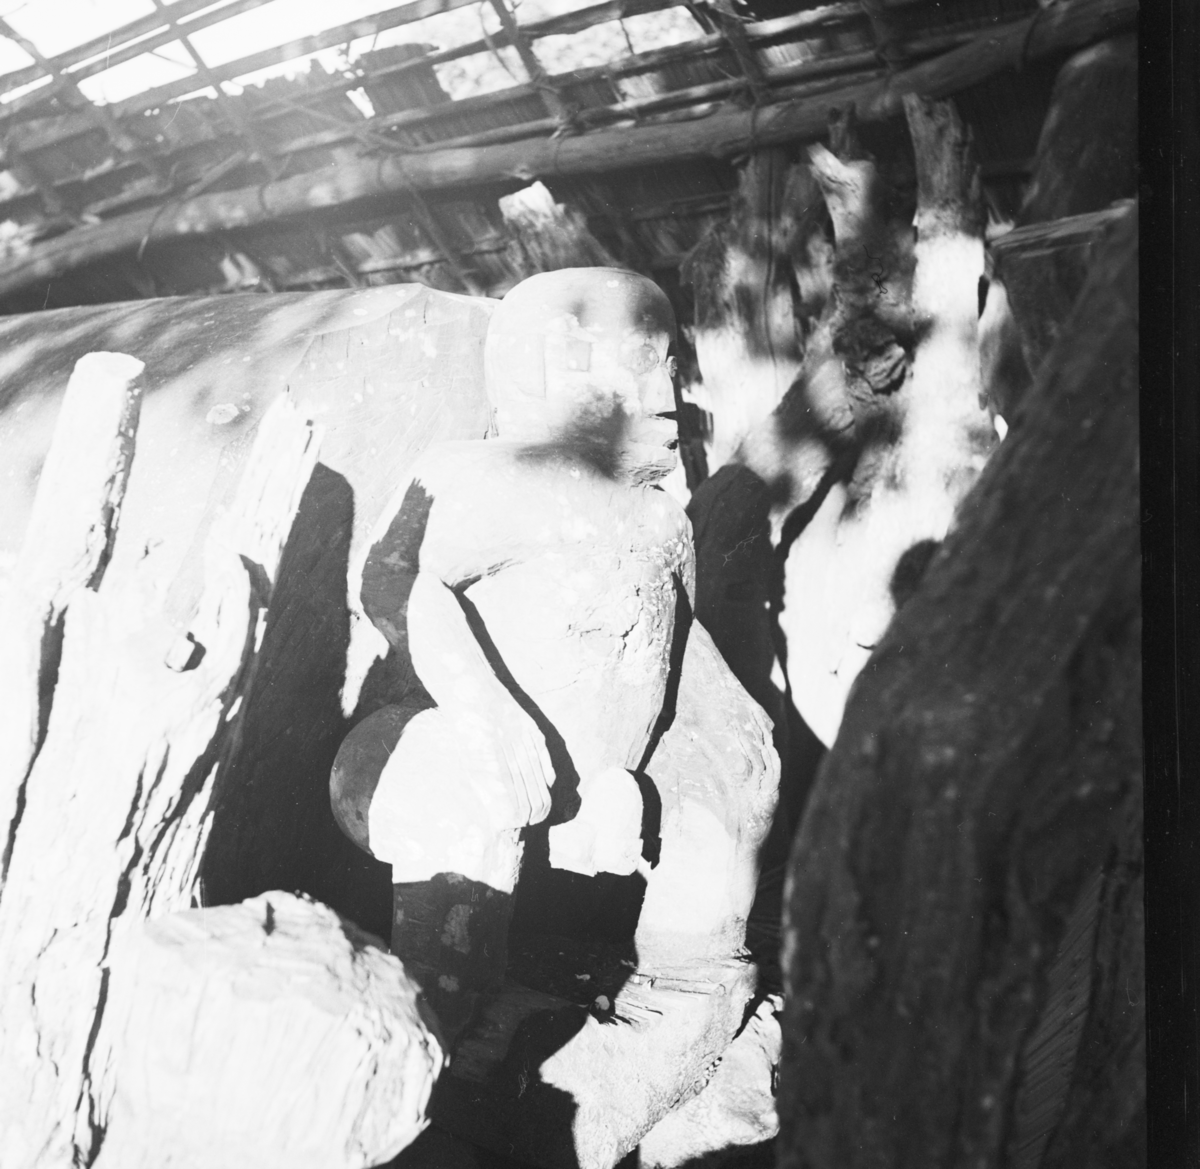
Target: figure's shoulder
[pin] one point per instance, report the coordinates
(457, 464)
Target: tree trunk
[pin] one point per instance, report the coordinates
(971, 854)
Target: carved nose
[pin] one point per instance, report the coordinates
(660, 394)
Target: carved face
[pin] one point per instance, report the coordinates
(583, 350)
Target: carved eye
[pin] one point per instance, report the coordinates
(672, 368)
(643, 359)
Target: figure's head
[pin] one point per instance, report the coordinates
(583, 351)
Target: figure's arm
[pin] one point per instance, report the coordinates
(407, 596)
(454, 669)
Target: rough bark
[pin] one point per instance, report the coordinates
(983, 796)
(117, 805)
(1064, 26)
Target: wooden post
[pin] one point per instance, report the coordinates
(66, 548)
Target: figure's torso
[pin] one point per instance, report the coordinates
(581, 596)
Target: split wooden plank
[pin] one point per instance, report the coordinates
(116, 805)
(1067, 26)
(66, 548)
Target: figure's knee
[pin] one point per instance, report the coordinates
(359, 765)
(402, 790)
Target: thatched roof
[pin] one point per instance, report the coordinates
(376, 173)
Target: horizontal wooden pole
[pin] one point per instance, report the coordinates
(723, 134)
(107, 59)
(66, 126)
(137, 32)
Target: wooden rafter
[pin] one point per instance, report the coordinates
(425, 216)
(546, 88)
(130, 40)
(241, 124)
(888, 42)
(331, 38)
(759, 34)
(1068, 26)
(734, 32)
(99, 116)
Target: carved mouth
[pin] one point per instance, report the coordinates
(662, 429)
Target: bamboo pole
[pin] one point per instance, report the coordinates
(723, 134)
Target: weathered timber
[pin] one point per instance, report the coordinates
(1085, 161)
(977, 827)
(66, 549)
(117, 805)
(1038, 272)
(748, 324)
(271, 1033)
(882, 435)
(387, 371)
(721, 134)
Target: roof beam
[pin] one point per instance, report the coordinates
(546, 88)
(734, 32)
(762, 32)
(237, 119)
(1069, 25)
(354, 30)
(152, 32)
(99, 116)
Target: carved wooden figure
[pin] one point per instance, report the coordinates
(532, 582)
(539, 585)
